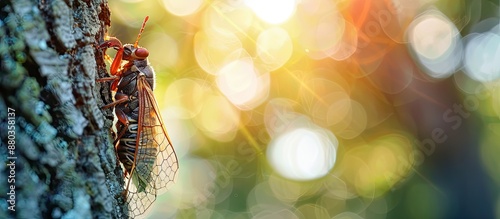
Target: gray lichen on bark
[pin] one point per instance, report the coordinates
(66, 165)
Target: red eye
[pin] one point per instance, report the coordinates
(141, 53)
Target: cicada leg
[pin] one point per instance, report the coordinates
(119, 98)
(123, 119)
(106, 79)
(115, 79)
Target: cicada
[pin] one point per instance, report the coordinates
(142, 144)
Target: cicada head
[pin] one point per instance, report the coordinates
(131, 53)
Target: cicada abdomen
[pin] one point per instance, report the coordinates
(142, 143)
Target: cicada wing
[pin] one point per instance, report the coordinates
(155, 161)
(164, 172)
(139, 202)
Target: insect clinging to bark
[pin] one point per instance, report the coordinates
(141, 142)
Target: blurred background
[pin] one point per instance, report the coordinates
(325, 109)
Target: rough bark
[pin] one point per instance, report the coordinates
(65, 165)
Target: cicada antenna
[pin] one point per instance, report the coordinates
(140, 32)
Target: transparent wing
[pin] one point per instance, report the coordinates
(156, 162)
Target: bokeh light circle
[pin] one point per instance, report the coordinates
(182, 98)
(213, 50)
(482, 55)
(436, 43)
(303, 153)
(325, 35)
(375, 166)
(238, 81)
(182, 8)
(163, 49)
(273, 12)
(241, 83)
(431, 36)
(218, 119)
(274, 48)
(354, 123)
(226, 18)
(192, 187)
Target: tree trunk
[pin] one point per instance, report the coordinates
(56, 140)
